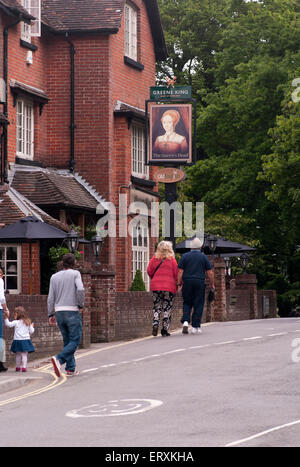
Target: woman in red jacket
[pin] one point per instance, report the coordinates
(163, 272)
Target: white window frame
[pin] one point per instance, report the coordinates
(25, 129)
(34, 29)
(138, 166)
(18, 262)
(140, 251)
(131, 19)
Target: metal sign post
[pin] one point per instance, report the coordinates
(170, 137)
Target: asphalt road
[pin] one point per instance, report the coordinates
(236, 384)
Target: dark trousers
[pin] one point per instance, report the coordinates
(193, 293)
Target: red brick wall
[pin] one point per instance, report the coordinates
(31, 274)
(33, 75)
(102, 142)
(134, 314)
(46, 339)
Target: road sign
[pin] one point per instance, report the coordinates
(169, 175)
(158, 93)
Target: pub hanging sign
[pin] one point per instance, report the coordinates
(171, 125)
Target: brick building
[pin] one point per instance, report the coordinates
(73, 123)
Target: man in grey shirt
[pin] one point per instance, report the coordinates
(65, 299)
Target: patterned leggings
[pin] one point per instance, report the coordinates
(162, 302)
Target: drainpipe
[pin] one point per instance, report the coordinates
(72, 104)
(5, 107)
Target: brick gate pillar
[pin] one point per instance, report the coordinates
(219, 305)
(249, 282)
(103, 303)
(86, 312)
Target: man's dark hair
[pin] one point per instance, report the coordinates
(68, 261)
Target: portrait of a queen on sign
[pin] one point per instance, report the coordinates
(171, 133)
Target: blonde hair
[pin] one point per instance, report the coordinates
(164, 250)
(21, 315)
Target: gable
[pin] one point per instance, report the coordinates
(102, 16)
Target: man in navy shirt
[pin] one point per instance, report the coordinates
(193, 268)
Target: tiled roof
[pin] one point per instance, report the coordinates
(45, 187)
(15, 8)
(103, 16)
(121, 108)
(14, 206)
(83, 15)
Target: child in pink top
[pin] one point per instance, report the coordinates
(163, 272)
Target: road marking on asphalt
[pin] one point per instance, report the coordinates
(252, 338)
(173, 351)
(57, 382)
(225, 342)
(115, 408)
(278, 334)
(262, 433)
(89, 370)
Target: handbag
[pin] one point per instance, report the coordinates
(211, 295)
(157, 268)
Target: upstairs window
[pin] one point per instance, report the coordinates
(25, 129)
(34, 30)
(130, 32)
(139, 168)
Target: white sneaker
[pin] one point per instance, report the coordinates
(185, 328)
(196, 330)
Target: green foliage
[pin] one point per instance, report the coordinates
(56, 255)
(138, 284)
(241, 58)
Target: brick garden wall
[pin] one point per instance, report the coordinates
(134, 314)
(46, 339)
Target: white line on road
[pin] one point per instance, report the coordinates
(278, 334)
(252, 338)
(89, 370)
(226, 342)
(262, 433)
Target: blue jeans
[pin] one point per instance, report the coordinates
(2, 343)
(1, 324)
(193, 293)
(70, 325)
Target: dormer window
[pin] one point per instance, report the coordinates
(34, 30)
(131, 16)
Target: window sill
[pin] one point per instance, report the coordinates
(21, 160)
(135, 178)
(133, 63)
(28, 45)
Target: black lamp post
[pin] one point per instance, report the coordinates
(72, 241)
(227, 264)
(97, 243)
(212, 243)
(244, 258)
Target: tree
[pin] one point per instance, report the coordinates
(244, 56)
(138, 284)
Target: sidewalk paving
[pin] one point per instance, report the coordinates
(11, 380)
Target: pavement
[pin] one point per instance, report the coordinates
(11, 381)
(39, 373)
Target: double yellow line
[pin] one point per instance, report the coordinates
(59, 381)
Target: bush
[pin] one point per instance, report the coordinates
(56, 255)
(138, 284)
